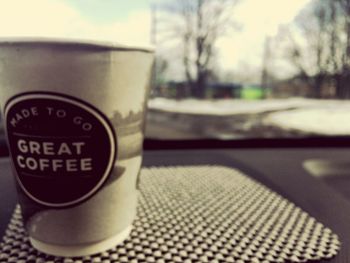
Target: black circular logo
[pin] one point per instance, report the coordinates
(62, 148)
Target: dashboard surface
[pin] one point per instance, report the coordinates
(282, 170)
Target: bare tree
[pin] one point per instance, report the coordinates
(320, 46)
(308, 47)
(198, 24)
(265, 73)
(341, 49)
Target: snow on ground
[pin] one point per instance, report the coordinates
(226, 107)
(323, 117)
(322, 121)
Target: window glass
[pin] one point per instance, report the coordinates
(225, 69)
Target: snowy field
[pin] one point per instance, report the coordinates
(321, 121)
(226, 107)
(271, 117)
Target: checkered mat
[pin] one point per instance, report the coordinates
(202, 214)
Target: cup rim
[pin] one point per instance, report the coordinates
(98, 44)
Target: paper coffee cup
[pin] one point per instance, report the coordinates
(74, 114)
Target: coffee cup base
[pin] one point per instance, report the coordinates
(83, 249)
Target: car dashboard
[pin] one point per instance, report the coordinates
(283, 172)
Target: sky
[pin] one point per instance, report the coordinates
(130, 22)
(259, 19)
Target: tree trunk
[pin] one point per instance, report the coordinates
(317, 87)
(201, 85)
(345, 83)
(339, 86)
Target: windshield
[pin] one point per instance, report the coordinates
(225, 69)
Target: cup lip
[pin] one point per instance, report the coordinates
(98, 44)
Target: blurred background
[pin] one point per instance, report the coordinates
(225, 69)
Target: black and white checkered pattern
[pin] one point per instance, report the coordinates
(201, 214)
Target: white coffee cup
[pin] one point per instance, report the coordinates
(74, 113)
